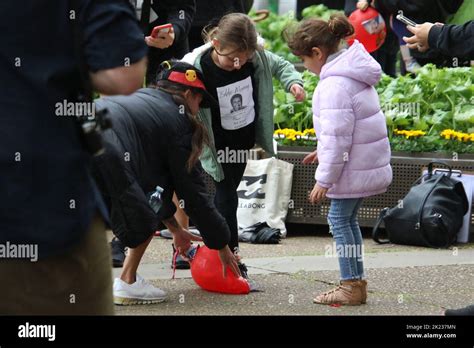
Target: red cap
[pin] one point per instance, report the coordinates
(189, 78)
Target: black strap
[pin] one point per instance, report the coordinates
(376, 231)
(145, 16)
(430, 168)
(430, 172)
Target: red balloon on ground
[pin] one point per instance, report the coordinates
(206, 270)
(370, 28)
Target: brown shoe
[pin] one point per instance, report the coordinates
(348, 293)
(363, 289)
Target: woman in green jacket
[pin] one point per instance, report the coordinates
(238, 72)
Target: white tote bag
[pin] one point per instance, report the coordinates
(264, 193)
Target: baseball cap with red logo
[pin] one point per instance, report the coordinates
(187, 75)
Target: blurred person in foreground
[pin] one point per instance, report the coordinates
(48, 201)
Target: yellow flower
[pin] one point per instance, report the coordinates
(409, 133)
(288, 133)
(449, 134)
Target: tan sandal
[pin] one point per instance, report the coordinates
(348, 293)
(364, 291)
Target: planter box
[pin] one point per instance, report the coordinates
(407, 167)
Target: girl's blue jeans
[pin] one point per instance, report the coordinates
(344, 226)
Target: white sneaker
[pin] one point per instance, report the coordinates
(140, 292)
(411, 65)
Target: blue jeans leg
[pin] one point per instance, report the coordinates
(358, 241)
(342, 219)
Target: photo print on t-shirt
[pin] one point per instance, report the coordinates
(236, 104)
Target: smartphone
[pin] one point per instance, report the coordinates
(164, 28)
(405, 20)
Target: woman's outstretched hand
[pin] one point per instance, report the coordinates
(181, 237)
(182, 240)
(229, 259)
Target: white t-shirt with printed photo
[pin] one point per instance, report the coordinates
(236, 104)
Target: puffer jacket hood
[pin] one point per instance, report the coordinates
(355, 64)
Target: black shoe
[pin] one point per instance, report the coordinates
(469, 310)
(243, 270)
(252, 284)
(118, 253)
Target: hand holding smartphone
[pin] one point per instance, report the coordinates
(162, 36)
(165, 28)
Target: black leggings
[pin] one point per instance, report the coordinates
(226, 199)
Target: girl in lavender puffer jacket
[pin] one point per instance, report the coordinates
(353, 148)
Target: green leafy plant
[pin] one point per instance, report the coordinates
(291, 114)
(434, 101)
(271, 29)
(319, 11)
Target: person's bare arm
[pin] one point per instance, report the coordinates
(120, 80)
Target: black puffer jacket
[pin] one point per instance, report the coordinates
(149, 145)
(453, 40)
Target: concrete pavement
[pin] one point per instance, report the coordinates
(402, 280)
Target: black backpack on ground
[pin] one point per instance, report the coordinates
(430, 215)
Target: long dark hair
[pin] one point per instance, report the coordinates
(200, 136)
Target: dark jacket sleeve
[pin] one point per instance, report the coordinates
(453, 40)
(180, 13)
(132, 219)
(191, 189)
(247, 5)
(111, 34)
(168, 209)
